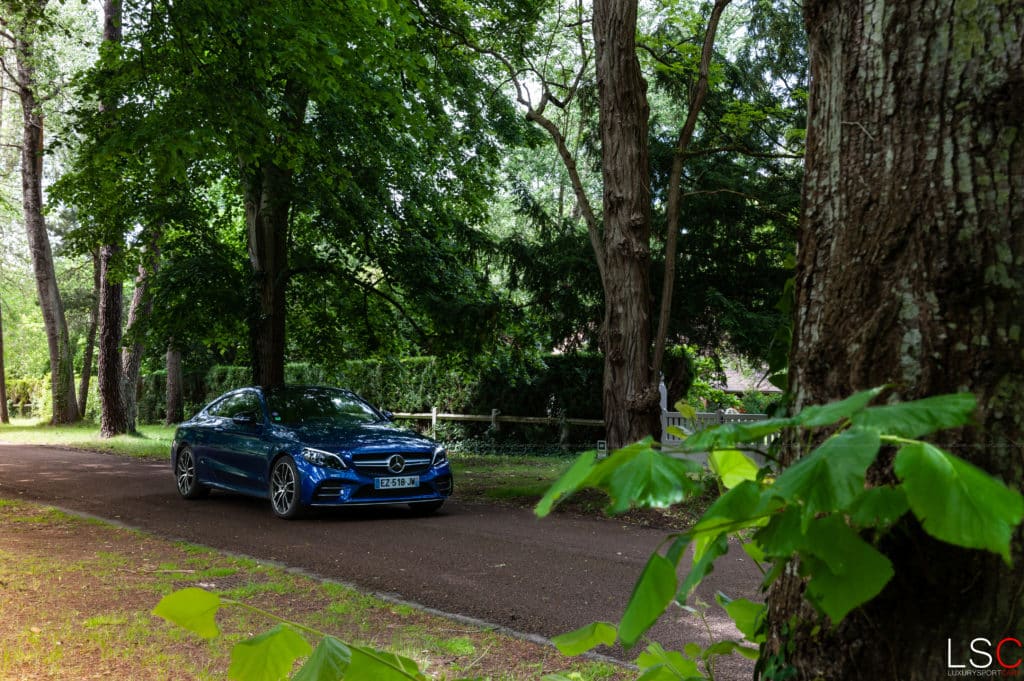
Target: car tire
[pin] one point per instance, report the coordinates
(425, 508)
(285, 489)
(186, 475)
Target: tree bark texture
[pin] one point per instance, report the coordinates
(911, 272)
(109, 372)
(4, 416)
(175, 400)
(131, 354)
(268, 199)
(266, 214)
(631, 403)
(90, 337)
(62, 370)
(114, 416)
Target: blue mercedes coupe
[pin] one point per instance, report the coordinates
(304, 447)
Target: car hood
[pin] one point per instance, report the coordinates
(362, 438)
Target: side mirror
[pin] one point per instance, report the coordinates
(390, 416)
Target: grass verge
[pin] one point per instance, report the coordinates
(76, 596)
(151, 442)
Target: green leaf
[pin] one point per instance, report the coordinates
(192, 608)
(920, 417)
(783, 535)
(747, 615)
(586, 638)
(328, 662)
(677, 432)
(716, 548)
(845, 571)
(373, 665)
(879, 507)
(685, 410)
(729, 647)
(827, 414)
(571, 480)
(832, 476)
(733, 466)
(731, 434)
(956, 501)
(268, 656)
(745, 505)
(643, 476)
(652, 594)
(657, 664)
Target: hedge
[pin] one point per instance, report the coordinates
(559, 385)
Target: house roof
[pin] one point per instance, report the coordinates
(743, 382)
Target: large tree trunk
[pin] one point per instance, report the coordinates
(90, 337)
(113, 416)
(266, 213)
(268, 200)
(631, 402)
(911, 272)
(62, 370)
(175, 400)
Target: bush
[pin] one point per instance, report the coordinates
(559, 385)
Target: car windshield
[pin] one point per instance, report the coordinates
(322, 406)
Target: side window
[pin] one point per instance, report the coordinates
(234, 405)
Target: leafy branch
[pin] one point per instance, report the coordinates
(270, 656)
(819, 516)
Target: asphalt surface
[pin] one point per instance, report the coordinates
(497, 564)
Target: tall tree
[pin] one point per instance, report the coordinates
(620, 231)
(911, 273)
(114, 417)
(630, 396)
(23, 25)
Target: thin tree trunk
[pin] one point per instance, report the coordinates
(910, 273)
(4, 416)
(62, 370)
(675, 190)
(631, 403)
(90, 338)
(175, 401)
(131, 356)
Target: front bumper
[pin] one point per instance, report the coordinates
(332, 487)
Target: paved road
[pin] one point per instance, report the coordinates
(501, 565)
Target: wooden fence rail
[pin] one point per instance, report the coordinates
(495, 418)
(668, 418)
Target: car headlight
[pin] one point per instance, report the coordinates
(319, 457)
(440, 456)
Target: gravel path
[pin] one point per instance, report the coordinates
(497, 564)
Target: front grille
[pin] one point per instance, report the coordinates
(377, 464)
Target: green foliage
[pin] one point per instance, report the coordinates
(820, 510)
(555, 385)
(271, 655)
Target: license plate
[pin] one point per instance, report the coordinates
(397, 482)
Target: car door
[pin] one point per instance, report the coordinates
(243, 450)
